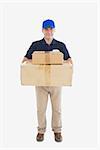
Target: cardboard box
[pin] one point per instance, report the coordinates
(46, 75)
(49, 57)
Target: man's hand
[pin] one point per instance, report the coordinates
(69, 60)
(26, 59)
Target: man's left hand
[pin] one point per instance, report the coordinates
(69, 60)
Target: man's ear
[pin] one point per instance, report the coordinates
(54, 30)
(42, 30)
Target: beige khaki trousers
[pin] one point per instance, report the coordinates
(42, 93)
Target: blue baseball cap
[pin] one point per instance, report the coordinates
(48, 24)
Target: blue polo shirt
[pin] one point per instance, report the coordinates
(41, 45)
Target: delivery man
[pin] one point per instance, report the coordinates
(48, 43)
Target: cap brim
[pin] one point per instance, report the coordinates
(48, 27)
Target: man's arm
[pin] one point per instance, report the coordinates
(67, 58)
(28, 56)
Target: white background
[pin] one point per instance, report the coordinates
(76, 26)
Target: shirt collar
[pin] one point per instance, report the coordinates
(52, 43)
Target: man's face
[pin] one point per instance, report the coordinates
(48, 33)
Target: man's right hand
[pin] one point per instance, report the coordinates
(26, 59)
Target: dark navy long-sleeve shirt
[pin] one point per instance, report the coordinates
(41, 45)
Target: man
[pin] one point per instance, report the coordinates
(48, 43)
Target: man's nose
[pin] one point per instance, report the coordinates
(49, 31)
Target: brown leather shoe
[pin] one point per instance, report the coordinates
(40, 137)
(58, 137)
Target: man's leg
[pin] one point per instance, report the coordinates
(42, 99)
(55, 95)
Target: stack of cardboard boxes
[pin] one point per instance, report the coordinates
(46, 69)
